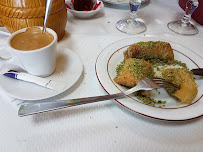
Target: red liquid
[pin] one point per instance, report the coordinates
(83, 5)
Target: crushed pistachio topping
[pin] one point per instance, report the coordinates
(119, 68)
(170, 76)
(158, 62)
(138, 68)
(148, 100)
(151, 44)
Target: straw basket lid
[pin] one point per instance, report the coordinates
(17, 14)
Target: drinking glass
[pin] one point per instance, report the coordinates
(184, 26)
(131, 25)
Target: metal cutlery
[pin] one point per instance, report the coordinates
(143, 84)
(197, 71)
(47, 12)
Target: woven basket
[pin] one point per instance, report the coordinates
(18, 14)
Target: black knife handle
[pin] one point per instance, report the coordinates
(197, 71)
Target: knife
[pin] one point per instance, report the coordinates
(197, 71)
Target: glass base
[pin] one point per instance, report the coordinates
(130, 26)
(182, 28)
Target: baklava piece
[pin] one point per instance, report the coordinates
(150, 50)
(131, 70)
(184, 80)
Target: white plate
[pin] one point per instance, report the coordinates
(121, 2)
(112, 55)
(68, 70)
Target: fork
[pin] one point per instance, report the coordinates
(144, 84)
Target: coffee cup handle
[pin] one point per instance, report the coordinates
(5, 54)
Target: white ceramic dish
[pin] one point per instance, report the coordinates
(84, 14)
(68, 70)
(112, 55)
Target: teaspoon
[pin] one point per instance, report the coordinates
(47, 11)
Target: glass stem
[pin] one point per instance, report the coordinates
(134, 6)
(191, 5)
(186, 19)
(133, 16)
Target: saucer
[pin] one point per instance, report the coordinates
(84, 14)
(68, 70)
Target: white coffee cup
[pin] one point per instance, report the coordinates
(39, 62)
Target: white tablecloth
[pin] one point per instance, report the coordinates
(103, 126)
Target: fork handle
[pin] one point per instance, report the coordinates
(34, 108)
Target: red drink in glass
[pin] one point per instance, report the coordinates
(83, 5)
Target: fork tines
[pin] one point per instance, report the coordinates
(163, 83)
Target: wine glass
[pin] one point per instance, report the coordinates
(131, 25)
(184, 26)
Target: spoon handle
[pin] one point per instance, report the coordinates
(47, 11)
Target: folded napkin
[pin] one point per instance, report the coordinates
(44, 82)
